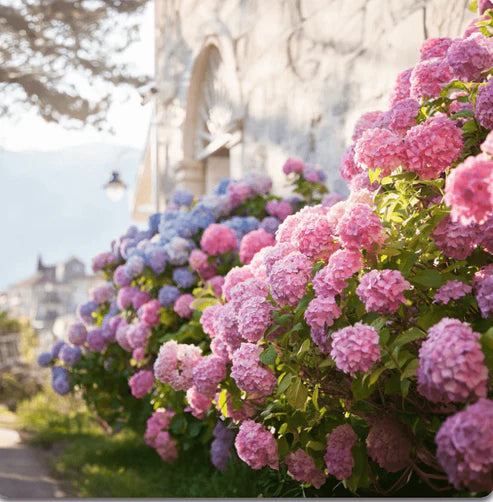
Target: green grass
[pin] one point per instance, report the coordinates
(94, 464)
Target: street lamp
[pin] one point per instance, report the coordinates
(115, 188)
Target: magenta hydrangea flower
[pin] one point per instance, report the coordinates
(313, 236)
(487, 145)
(293, 165)
(175, 363)
(77, 334)
(141, 383)
(199, 404)
(382, 290)
(254, 318)
(469, 190)
(435, 48)
(338, 457)
(248, 372)
(253, 242)
(235, 276)
(120, 277)
(402, 87)
(139, 298)
(289, 277)
(465, 447)
(95, 340)
(368, 120)
(454, 239)
(208, 373)
(484, 5)
(256, 446)
(138, 334)
(380, 148)
(389, 443)
(483, 283)
(355, 348)
(451, 290)
(402, 116)
(280, 209)
(431, 147)
(199, 262)
(149, 313)
(451, 363)
(360, 227)
(182, 306)
(303, 469)
(218, 239)
(322, 312)
(469, 58)
(484, 105)
(429, 77)
(342, 265)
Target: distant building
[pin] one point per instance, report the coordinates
(50, 297)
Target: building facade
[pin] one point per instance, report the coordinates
(241, 85)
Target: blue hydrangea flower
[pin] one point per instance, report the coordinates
(154, 220)
(178, 250)
(183, 197)
(202, 216)
(156, 258)
(183, 277)
(134, 266)
(125, 245)
(57, 347)
(222, 186)
(60, 380)
(242, 225)
(131, 232)
(168, 294)
(44, 359)
(270, 224)
(85, 311)
(70, 355)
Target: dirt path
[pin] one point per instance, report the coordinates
(22, 476)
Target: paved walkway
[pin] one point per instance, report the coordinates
(22, 476)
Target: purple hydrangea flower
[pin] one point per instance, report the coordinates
(44, 359)
(183, 277)
(168, 295)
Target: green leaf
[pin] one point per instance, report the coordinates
(379, 323)
(282, 446)
(430, 278)
(222, 402)
(269, 355)
(178, 424)
(359, 475)
(201, 303)
(408, 336)
(305, 346)
(284, 383)
(393, 385)
(410, 369)
(315, 397)
(297, 394)
(361, 388)
(376, 374)
(316, 445)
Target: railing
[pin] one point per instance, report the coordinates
(10, 352)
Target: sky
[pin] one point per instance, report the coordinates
(51, 196)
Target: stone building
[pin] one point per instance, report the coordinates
(243, 84)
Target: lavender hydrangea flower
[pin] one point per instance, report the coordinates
(57, 347)
(168, 295)
(178, 250)
(270, 224)
(60, 380)
(85, 311)
(70, 355)
(222, 186)
(44, 359)
(183, 197)
(183, 277)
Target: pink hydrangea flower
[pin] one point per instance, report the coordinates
(256, 446)
(454, 239)
(289, 277)
(199, 404)
(360, 227)
(349, 168)
(175, 363)
(469, 58)
(226, 328)
(342, 265)
(338, 457)
(208, 373)
(429, 77)
(95, 340)
(149, 313)
(402, 87)
(120, 278)
(389, 443)
(248, 372)
(355, 348)
(102, 260)
(322, 312)
(465, 447)
(166, 447)
(121, 336)
(451, 363)
(303, 469)
(484, 105)
(182, 306)
(380, 148)
(469, 190)
(257, 265)
(139, 354)
(103, 294)
(433, 146)
(254, 318)
(198, 261)
(280, 209)
(402, 116)
(141, 383)
(138, 334)
(451, 290)
(313, 236)
(382, 290)
(139, 298)
(275, 253)
(158, 422)
(336, 212)
(238, 192)
(487, 145)
(208, 318)
(332, 198)
(287, 227)
(293, 165)
(218, 239)
(435, 48)
(235, 276)
(484, 5)
(368, 120)
(125, 297)
(216, 284)
(253, 242)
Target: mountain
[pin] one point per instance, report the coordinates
(53, 203)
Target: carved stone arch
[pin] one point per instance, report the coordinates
(213, 122)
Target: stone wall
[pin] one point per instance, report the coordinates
(301, 71)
